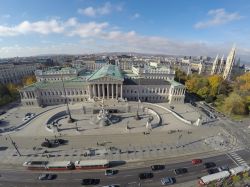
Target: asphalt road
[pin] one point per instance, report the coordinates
(127, 177)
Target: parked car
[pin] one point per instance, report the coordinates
(157, 167)
(47, 176)
(110, 172)
(223, 168)
(2, 112)
(180, 171)
(213, 170)
(167, 181)
(112, 185)
(146, 176)
(90, 181)
(209, 165)
(196, 161)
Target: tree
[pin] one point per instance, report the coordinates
(29, 80)
(235, 104)
(243, 82)
(203, 92)
(3, 90)
(215, 82)
(180, 76)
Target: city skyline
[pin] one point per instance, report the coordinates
(30, 28)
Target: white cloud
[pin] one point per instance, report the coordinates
(41, 27)
(91, 29)
(107, 8)
(101, 37)
(218, 17)
(136, 16)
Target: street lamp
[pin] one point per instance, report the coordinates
(71, 120)
(15, 146)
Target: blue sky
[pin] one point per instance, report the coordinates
(185, 27)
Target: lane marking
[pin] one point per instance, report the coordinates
(148, 181)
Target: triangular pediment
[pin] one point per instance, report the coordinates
(105, 79)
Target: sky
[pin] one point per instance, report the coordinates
(171, 27)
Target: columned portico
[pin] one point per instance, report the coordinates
(106, 91)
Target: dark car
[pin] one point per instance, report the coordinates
(90, 181)
(47, 176)
(213, 170)
(146, 175)
(180, 171)
(2, 112)
(54, 143)
(157, 167)
(209, 165)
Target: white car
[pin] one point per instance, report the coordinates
(26, 118)
(167, 181)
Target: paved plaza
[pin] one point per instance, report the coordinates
(87, 140)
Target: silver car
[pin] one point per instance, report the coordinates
(167, 181)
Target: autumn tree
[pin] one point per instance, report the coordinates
(215, 82)
(235, 104)
(199, 85)
(243, 82)
(29, 80)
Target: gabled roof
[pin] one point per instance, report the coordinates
(108, 70)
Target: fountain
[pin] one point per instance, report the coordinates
(104, 118)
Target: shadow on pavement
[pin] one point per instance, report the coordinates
(117, 163)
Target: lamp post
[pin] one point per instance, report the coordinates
(71, 120)
(15, 146)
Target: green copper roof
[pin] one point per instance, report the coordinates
(108, 70)
(73, 83)
(174, 83)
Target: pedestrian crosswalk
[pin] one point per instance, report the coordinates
(237, 159)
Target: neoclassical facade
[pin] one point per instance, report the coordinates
(14, 72)
(106, 83)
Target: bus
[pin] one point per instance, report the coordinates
(213, 177)
(238, 170)
(92, 164)
(35, 165)
(60, 165)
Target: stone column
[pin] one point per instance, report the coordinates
(103, 91)
(90, 95)
(116, 91)
(112, 87)
(93, 88)
(121, 90)
(107, 91)
(98, 87)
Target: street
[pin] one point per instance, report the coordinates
(126, 177)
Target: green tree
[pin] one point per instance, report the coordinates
(180, 76)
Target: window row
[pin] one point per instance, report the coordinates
(80, 92)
